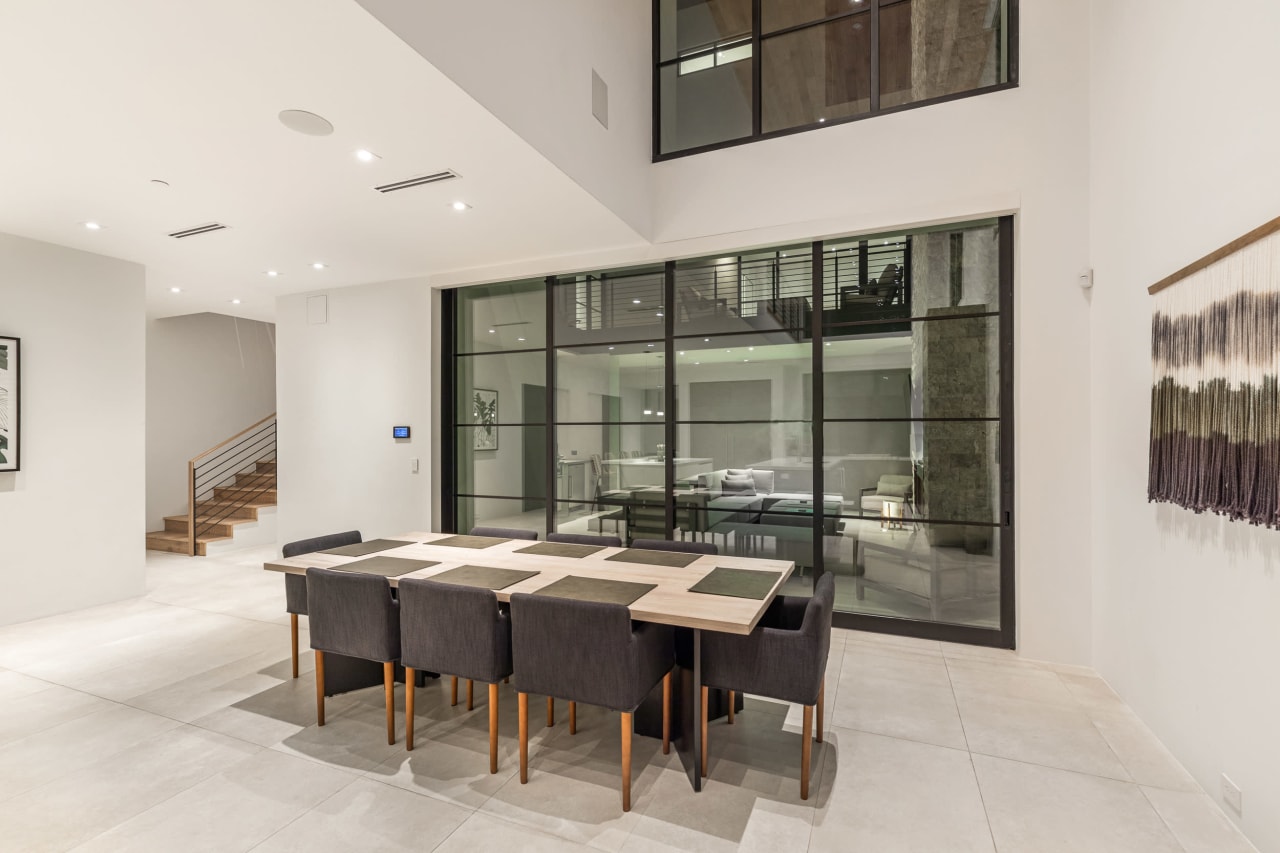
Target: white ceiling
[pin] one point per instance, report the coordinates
(101, 98)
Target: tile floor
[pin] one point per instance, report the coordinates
(170, 722)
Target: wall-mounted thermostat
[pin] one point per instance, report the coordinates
(399, 432)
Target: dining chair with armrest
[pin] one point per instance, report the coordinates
(784, 658)
(354, 614)
(587, 651)
(295, 586)
(461, 630)
(505, 532)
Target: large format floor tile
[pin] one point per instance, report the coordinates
(171, 722)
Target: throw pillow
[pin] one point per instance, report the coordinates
(742, 488)
(737, 472)
(763, 480)
(889, 490)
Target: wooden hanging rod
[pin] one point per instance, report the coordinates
(1213, 257)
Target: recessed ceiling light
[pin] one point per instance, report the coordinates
(365, 156)
(273, 273)
(317, 266)
(460, 205)
(491, 331)
(519, 339)
(751, 349)
(697, 362)
(682, 352)
(635, 301)
(659, 414)
(828, 344)
(650, 344)
(706, 340)
(175, 290)
(659, 313)
(648, 411)
(93, 226)
(235, 301)
(821, 120)
(610, 347)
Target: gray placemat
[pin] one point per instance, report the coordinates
(561, 549)
(596, 589)
(373, 546)
(388, 567)
(739, 583)
(674, 559)
(468, 541)
(485, 577)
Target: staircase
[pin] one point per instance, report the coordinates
(216, 519)
(228, 485)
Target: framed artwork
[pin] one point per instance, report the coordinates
(10, 366)
(484, 414)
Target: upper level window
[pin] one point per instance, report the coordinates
(732, 71)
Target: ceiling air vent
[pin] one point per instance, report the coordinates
(422, 180)
(199, 229)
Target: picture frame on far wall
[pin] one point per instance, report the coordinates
(10, 397)
(484, 414)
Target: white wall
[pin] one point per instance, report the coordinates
(71, 532)
(530, 65)
(1187, 607)
(341, 386)
(208, 377)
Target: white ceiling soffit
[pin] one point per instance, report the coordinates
(117, 96)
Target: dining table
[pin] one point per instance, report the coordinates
(696, 592)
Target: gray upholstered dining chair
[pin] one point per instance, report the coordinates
(685, 547)
(785, 658)
(295, 586)
(587, 651)
(585, 539)
(459, 630)
(353, 614)
(504, 532)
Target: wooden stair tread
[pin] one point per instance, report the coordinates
(173, 536)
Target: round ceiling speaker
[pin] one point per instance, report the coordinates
(305, 122)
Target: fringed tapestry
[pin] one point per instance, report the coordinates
(1215, 407)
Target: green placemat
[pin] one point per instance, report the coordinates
(468, 541)
(388, 567)
(675, 559)
(596, 589)
(561, 549)
(486, 577)
(739, 583)
(373, 546)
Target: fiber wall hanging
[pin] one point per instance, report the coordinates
(1215, 405)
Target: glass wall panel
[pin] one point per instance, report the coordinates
(817, 74)
(628, 455)
(945, 368)
(608, 382)
(930, 572)
(937, 470)
(744, 378)
(500, 512)
(932, 48)
(501, 388)
(866, 280)
(503, 461)
(690, 27)
(706, 105)
(760, 291)
(609, 307)
(506, 316)
(781, 14)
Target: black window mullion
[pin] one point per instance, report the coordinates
(757, 96)
(875, 57)
(669, 395)
(549, 410)
(1006, 360)
(448, 389)
(816, 417)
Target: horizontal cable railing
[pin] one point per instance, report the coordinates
(220, 468)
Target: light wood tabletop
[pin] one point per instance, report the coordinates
(669, 603)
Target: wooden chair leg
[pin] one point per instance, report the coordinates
(493, 728)
(626, 762)
(573, 718)
(706, 692)
(523, 700)
(731, 702)
(822, 701)
(389, 688)
(666, 714)
(319, 688)
(293, 635)
(408, 708)
(453, 690)
(551, 712)
(806, 750)
(471, 704)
